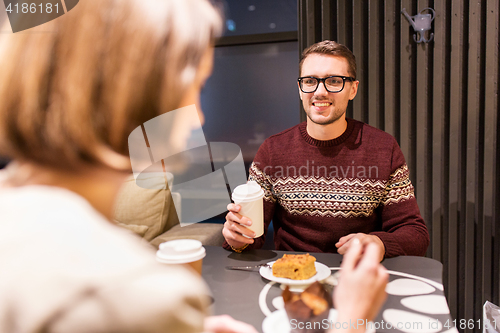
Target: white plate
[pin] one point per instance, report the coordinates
(322, 272)
(277, 322)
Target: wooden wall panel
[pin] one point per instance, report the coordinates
(405, 75)
(390, 84)
(360, 50)
(491, 245)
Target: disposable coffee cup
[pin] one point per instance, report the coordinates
(187, 252)
(249, 197)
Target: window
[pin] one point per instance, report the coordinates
(252, 93)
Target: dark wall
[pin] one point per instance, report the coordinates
(440, 100)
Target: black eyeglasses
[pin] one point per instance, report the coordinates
(333, 84)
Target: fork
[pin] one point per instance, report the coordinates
(248, 268)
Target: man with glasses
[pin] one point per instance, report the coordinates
(330, 180)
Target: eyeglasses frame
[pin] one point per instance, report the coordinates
(320, 80)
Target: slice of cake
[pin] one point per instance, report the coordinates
(311, 307)
(295, 266)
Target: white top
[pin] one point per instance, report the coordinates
(180, 251)
(248, 192)
(65, 268)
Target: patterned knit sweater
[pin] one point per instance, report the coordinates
(318, 191)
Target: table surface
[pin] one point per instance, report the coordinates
(237, 292)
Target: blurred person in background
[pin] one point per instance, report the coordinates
(69, 100)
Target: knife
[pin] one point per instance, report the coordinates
(247, 268)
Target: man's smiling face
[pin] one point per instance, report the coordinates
(323, 107)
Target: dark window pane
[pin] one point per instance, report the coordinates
(251, 95)
(245, 17)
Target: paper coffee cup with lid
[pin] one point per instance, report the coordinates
(249, 196)
(182, 251)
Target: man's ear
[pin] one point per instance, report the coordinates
(354, 90)
(300, 91)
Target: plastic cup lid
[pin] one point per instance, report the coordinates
(180, 251)
(248, 192)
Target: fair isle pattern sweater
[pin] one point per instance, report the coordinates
(318, 191)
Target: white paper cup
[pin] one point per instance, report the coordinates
(187, 252)
(249, 197)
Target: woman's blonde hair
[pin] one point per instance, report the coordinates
(69, 96)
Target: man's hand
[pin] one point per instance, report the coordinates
(345, 242)
(226, 324)
(234, 228)
(361, 289)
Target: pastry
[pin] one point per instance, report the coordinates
(295, 266)
(310, 308)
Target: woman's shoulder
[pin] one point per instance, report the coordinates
(60, 248)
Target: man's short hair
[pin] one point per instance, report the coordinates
(72, 96)
(329, 47)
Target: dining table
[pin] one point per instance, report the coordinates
(416, 301)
